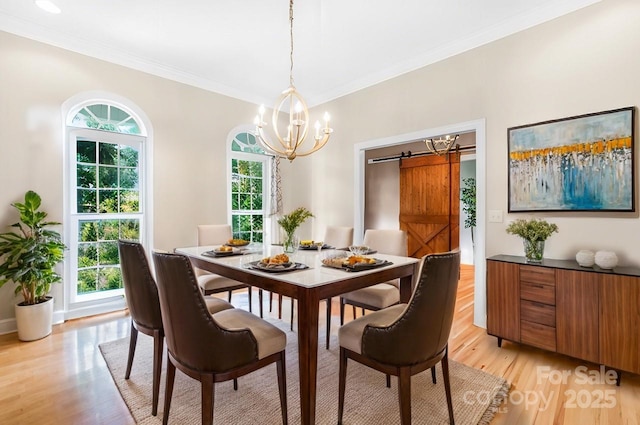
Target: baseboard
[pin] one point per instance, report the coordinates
(9, 325)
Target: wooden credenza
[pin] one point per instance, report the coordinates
(586, 313)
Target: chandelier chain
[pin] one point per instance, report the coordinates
(291, 38)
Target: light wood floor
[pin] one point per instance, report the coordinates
(63, 379)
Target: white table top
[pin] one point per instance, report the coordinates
(315, 275)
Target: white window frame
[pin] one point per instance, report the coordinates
(75, 218)
(86, 305)
(266, 180)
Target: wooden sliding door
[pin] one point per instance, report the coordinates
(430, 203)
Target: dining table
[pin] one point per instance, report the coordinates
(309, 283)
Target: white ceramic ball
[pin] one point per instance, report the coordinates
(606, 259)
(585, 258)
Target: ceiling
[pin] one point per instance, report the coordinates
(240, 48)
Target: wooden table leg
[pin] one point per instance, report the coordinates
(308, 310)
(405, 288)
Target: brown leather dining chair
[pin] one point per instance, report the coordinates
(407, 339)
(144, 306)
(211, 348)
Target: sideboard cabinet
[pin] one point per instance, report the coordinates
(587, 313)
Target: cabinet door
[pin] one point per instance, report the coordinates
(620, 322)
(577, 314)
(503, 300)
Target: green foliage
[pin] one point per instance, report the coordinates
(533, 230)
(468, 198)
(290, 222)
(29, 257)
(98, 253)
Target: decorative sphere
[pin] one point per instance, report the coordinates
(585, 258)
(606, 259)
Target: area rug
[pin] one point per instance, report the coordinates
(476, 394)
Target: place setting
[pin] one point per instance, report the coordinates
(355, 260)
(310, 245)
(280, 263)
(231, 247)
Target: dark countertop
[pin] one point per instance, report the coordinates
(567, 265)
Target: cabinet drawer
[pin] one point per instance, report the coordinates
(538, 335)
(538, 274)
(536, 312)
(545, 294)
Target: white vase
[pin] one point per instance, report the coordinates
(586, 258)
(606, 259)
(34, 321)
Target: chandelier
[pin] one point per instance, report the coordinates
(289, 143)
(441, 146)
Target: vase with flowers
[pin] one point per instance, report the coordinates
(290, 223)
(534, 233)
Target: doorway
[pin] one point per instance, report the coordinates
(398, 142)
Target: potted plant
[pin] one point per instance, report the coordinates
(289, 223)
(28, 259)
(468, 199)
(533, 233)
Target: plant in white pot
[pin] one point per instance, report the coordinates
(28, 258)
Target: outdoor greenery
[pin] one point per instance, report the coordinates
(108, 179)
(247, 200)
(468, 198)
(30, 255)
(98, 260)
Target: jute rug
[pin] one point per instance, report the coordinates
(476, 394)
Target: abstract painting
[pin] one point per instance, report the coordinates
(581, 163)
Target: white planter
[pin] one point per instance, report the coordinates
(34, 321)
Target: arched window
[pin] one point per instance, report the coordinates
(108, 196)
(249, 187)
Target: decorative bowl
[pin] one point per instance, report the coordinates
(606, 259)
(585, 258)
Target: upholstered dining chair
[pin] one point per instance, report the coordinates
(382, 295)
(211, 348)
(144, 306)
(338, 237)
(211, 283)
(407, 339)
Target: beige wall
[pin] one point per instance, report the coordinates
(190, 131)
(584, 62)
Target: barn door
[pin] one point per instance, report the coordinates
(430, 203)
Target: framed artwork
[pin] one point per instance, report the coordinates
(581, 163)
